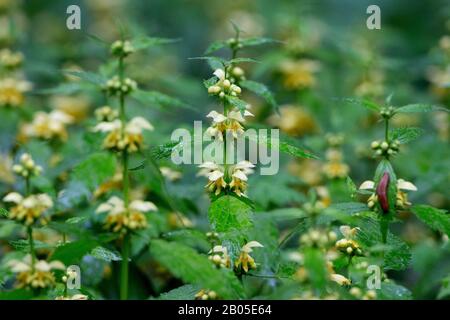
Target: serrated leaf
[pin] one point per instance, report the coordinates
(158, 99)
(418, 107)
(351, 186)
(216, 45)
(405, 135)
(364, 103)
(209, 82)
(24, 245)
(186, 292)
(87, 76)
(284, 147)
(392, 291)
(350, 207)
(105, 254)
(185, 263)
(241, 60)
(229, 214)
(435, 218)
(96, 169)
(261, 90)
(217, 60)
(4, 213)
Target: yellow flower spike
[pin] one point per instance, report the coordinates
(245, 261)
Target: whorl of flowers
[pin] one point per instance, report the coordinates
(246, 262)
(12, 92)
(29, 209)
(48, 126)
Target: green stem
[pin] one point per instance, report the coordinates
(125, 179)
(124, 267)
(386, 130)
(31, 243)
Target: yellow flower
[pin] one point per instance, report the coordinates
(219, 256)
(293, 120)
(120, 219)
(335, 169)
(224, 85)
(402, 197)
(348, 245)
(299, 74)
(106, 114)
(29, 209)
(340, 279)
(170, 174)
(9, 59)
(48, 126)
(75, 106)
(6, 172)
(239, 178)
(232, 122)
(215, 175)
(27, 167)
(206, 295)
(245, 261)
(35, 276)
(12, 92)
(130, 138)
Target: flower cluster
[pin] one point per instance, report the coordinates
(222, 124)
(225, 86)
(121, 48)
(216, 175)
(128, 137)
(106, 114)
(206, 295)
(10, 60)
(335, 167)
(385, 148)
(26, 167)
(219, 256)
(318, 238)
(34, 274)
(12, 92)
(28, 210)
(348, 245)
(121, 219)
(115, 85)
(48, 126)
(401, 198)
(245, 261)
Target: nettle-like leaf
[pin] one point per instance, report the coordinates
(186, 292)
(241, 105)
(392, 291)
(436, 219)
(143, 42)
(256, 41)
(418, 108)
(96, 169)
(4, 213)
(405, 135)
(397, 253)
(105, 254)
(87, 76)
(364, 103)
(193, 268)
(159, 100)
(261, 90)
(215, 46)
(228, 214)
(445, 288)
(24, 245)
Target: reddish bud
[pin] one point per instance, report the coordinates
(382, 192)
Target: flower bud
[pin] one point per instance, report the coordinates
(226, 83)
(374, 144)
(384, 145)
(214, 89)
(382, 192)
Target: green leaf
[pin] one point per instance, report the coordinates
(364, 103)
(445, 289)
(185, 263)
(87, 76)
(284, 147)
(238, 103)
(228, 213)
(24, 245)
(19, 294)
(144, 42)
(105, 254)
(96, 169)
(209, 82)
(241, 60)
(435, 218)
(256, 41)
(4, 213)
(160, 100)
(351, 186)
(186, 292)
(216, 45)
(415, 108)
(63, 89)
(215, 60)
(405, 135)
(350, 207)
(316, 268)
(392, 291)
(73, 252)
(397, 254)
(261, 90)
